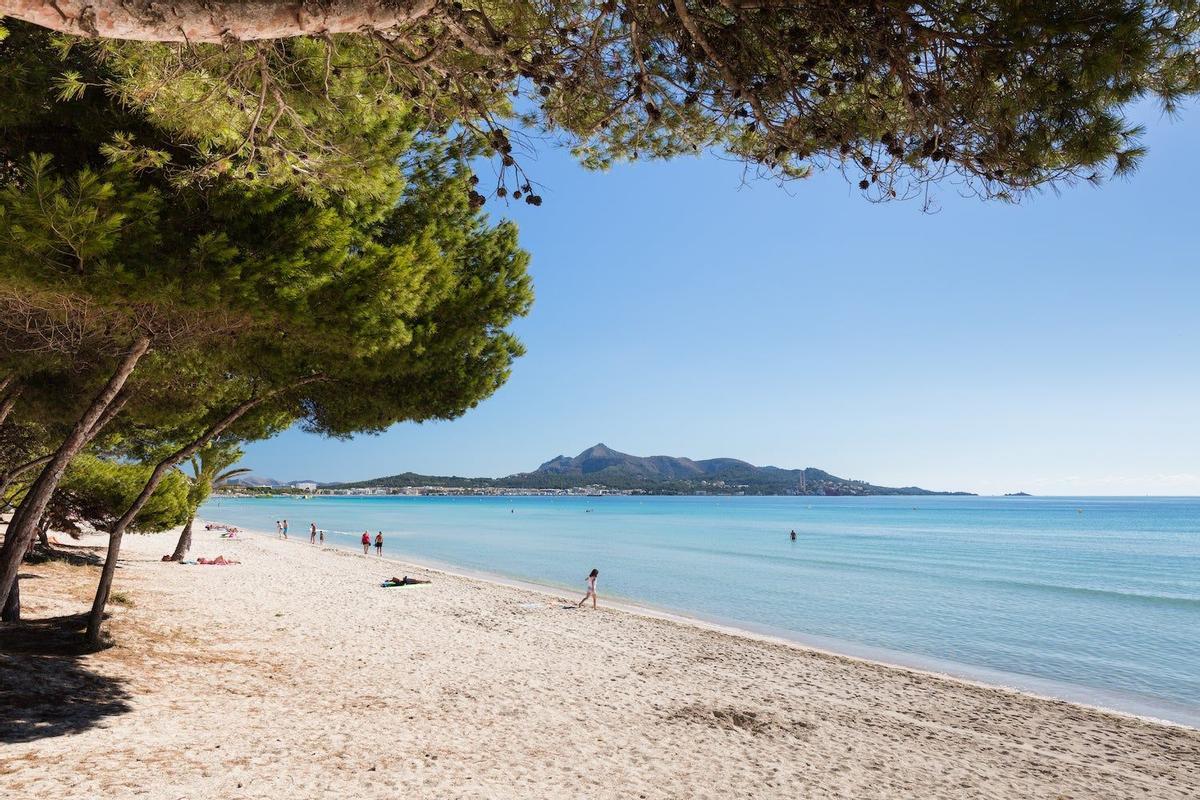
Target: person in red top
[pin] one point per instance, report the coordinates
(366, 543)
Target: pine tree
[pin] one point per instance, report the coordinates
(1003, 97)
(95, 491)
(210, 470)
(241, 296)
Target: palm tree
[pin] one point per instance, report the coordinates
(210, 470)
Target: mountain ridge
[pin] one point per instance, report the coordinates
(601, 466)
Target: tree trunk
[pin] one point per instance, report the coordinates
(12, 608)
(7, 478)
(185, 540)
(214, 20)
(11, 612)
(25, 521)
(10, 400)
(96, 617)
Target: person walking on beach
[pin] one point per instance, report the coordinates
(285, 529)
(312, 533)
(591, 588)
(366, 543)
(379, 543)
(321, 535)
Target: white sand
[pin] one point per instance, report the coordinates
(294, 675)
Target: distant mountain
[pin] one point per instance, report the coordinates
(603, 461)
(604, 467)
(254, 480)
(257, 481)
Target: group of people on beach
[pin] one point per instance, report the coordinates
(315, 534)
(228, 531)
(366, 543)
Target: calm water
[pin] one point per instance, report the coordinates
(1096, 600)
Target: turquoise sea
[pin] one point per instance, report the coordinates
(1089, 599)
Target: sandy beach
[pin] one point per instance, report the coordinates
(294, 674)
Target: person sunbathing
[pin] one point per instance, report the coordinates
(219, 561)
(405, 581)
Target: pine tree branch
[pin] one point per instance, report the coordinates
(215, 21)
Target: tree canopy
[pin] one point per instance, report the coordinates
(191, 306)
(999, 96)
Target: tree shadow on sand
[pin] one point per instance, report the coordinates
(45, 689)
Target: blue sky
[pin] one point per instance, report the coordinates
(1049, 347)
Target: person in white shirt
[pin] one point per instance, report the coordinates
(591, 588)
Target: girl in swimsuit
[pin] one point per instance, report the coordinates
(591, 588)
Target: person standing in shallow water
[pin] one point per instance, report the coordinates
(591, 588)
(366, 543)
(278, 529)
(285, 529)
(379, 543)
(312, 533)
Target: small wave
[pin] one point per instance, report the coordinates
(1089, 591)
(950, 571)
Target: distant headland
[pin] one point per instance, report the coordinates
(602, 470)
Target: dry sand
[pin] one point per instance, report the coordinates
(294, 675)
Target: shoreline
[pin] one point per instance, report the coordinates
(295, 674)
(873, 656)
